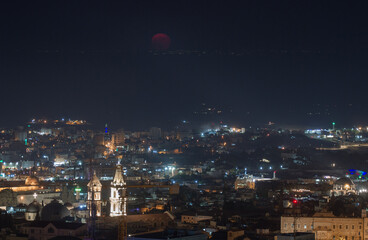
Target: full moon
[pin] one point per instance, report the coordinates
(161, 41)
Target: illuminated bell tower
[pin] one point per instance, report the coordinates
(118, 193)
(94, 196)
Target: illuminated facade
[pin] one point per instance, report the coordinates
(343, 186)
(118, 193)
(31, 184)
(94, 195)
(118, 138)
(246, 182)
(327, 226)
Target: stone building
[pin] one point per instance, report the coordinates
(343, 186)
(94, 195)
(327, 226)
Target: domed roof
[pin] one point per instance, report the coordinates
(95, 182)
(343, 181)
(54, 211)
(32, 181)
(33, 207)
(69, 206)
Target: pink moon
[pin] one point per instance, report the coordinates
(161, 41)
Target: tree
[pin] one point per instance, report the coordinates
(8, 198)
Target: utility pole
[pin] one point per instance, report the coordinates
(123, 226)
(92, 211)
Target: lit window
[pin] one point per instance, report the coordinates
(305, 226)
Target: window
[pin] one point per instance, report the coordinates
(334, 227)
(50, 230)
(32, 230)
(285, 225)
(333, 238)
(340, 226)
(352, 238)
(298, 225)
(352, 227)
(347, 226)
(305, 226)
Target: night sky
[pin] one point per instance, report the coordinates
(266, 60)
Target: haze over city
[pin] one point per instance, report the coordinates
(267, 60)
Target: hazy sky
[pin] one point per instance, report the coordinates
(92, 60)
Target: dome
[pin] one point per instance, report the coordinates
(54, 211)
(69, 206)
(343, 181)
(33, 207)
(32, 181)
(95, 182)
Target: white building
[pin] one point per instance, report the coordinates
(118, 193)
(94, 195)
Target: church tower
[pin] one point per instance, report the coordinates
(94, 196)
(118, 193)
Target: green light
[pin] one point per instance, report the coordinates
(29, 125)
(78, 189)
(333, 123)
(25, 141)
(1, 160)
